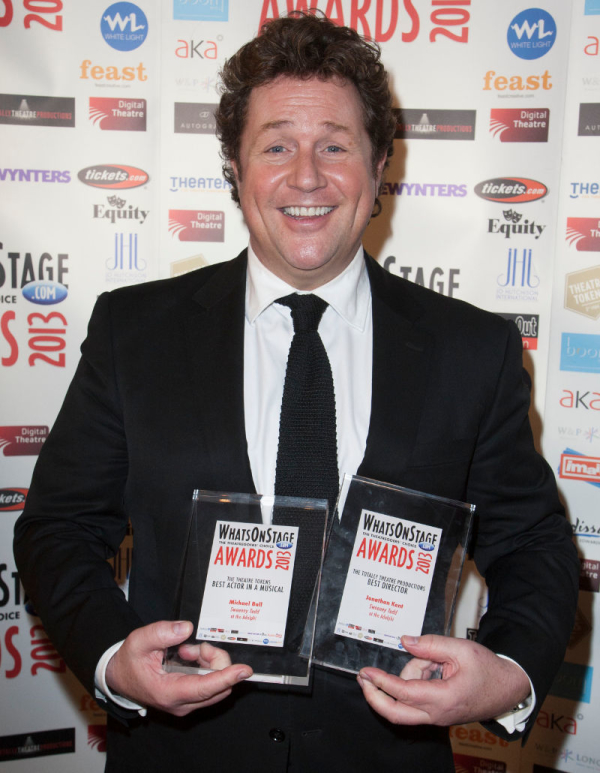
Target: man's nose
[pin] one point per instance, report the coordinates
(305, 171)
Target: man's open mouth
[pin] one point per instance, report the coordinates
(306, 211)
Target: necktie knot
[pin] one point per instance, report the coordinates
(307, 310)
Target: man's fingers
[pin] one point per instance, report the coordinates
(206, 655)
(202, 690)
(158, 636)
(394, 710)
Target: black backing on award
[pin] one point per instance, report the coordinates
(392, 567)
(229, 557)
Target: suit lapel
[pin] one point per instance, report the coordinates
(401, 356)
(215, 334)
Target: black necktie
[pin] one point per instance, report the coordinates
(307, 452)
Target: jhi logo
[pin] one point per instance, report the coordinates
(518, 270)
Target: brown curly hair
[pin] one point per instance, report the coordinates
(304, 45)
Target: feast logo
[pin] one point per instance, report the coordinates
(117, 211)
(424, 189)
(582, 292)
(516, 83)
(191, 225)
(98, 73)
(576, 466)
(25, 110)
(513, 125)
(118, 114)
(513, 225)
(511, 190)
(528, 327)
(584, 233)
(195, 118)
(13, 498)
(34, 175)
(22, 441)
(435, 124)
(116, 176)
(589, 119)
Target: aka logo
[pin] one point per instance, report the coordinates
(118, 114)
(124, 26)
(575, 466)
(201, 49)
(190, 225)
(589, 401)
(514, 125)
(552, 721)
(531, 34)
(513, 225)
(117, 211)
(584, 233)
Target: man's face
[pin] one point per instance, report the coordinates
(306, 180)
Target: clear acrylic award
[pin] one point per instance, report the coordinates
(250, 569)
(392, 568)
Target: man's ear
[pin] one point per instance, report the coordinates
(234, 166)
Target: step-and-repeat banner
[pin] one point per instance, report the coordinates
(110, 175)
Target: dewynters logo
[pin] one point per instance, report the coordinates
(515, 125)
(531, 34)
(117, 176)
(124, 26)
(511, 190)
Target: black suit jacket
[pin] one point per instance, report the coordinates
(156, 410)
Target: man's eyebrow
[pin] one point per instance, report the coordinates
(330, 125)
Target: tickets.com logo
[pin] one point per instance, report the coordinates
(511, 190)
(117, 176)
(12, 498)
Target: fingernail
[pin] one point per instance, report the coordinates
(180, 627)
(364, 676)
(411, 639)
(244, 675)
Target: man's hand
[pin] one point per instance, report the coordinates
(476, 684)
(136, 671)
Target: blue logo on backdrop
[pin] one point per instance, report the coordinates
(44, 292)
(592, 8)
(531, 33)
(124, 26)
(201, 10)
(580, 352)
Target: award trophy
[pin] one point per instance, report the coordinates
(250, 569)
(392, 567)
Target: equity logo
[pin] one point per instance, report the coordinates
(190, 225)
(514, 225)
(116, 176)
(576, 466)
(513, 125)
(12, 499)
(589, 119)
(528, 327)
(511, 190)
(22, 441)
(26, 110)
(435, 124)
(118, 114)
(124, 26)
(531, 34)
(580, 352)
(582, 292)
(584, 233)
(117, 210)
(201, 10)
(195, 118)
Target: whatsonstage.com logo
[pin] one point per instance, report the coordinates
(531, 34)
(124, 26)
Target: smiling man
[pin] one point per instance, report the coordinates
(424, 391)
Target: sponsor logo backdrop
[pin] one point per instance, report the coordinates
(110, 175)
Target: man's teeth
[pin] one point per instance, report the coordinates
(306, 211)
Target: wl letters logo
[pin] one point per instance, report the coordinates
(515, 125)
(124, 26)
(531, 34)
(118, 114)
(190, 225)
(584, 233)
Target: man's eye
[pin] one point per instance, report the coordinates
(334, 149)
(276, 149)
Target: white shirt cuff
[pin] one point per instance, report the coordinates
(102, 689)
(516, 719)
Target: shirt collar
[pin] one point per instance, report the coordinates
(349, 293)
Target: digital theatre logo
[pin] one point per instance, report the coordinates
(584, 233)
(516, 125)
(124, 26)
(531, 34)
(190, 225)
(22, 441)
(112, 114)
